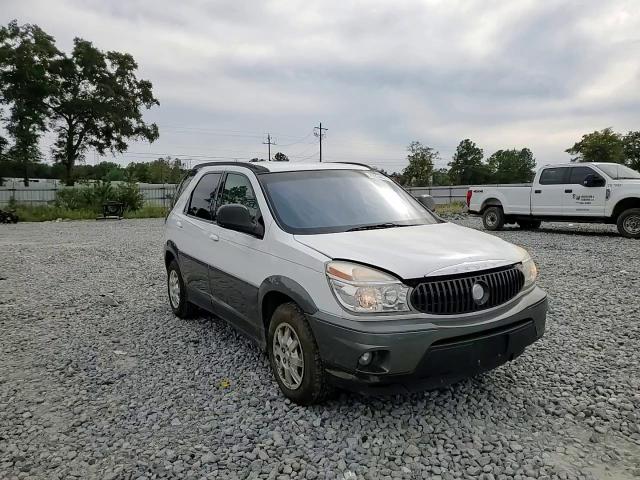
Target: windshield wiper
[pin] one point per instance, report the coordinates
(378, 226)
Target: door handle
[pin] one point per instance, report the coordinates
(178, 224)
(537, 191)
(213, 237)
(568, 190)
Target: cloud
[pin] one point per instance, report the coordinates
(378, 74)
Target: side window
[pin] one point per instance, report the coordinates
(578, 175)
(203, 199)
(184, 183)
(553, 176)
(238, 189)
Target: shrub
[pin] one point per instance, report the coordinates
(129, 195)
(93, 197)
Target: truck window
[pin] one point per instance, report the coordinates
(554, 176)
(578, 174)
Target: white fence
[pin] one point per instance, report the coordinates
(44, 192)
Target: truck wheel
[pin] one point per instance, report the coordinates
(529, 224)
(295, 358)
(629, 223)
(178, 293)
(493, 218)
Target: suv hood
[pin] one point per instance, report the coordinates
(414, 252)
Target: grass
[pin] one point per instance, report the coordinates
(43, 213)
(451, 208)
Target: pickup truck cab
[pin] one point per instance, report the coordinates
(573, 192)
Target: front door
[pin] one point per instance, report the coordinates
(583, 201)
(548, 194)
(234, 274)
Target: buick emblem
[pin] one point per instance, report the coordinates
(480, 293)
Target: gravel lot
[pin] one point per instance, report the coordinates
(99, 380)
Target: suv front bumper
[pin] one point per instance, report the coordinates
(421, 356)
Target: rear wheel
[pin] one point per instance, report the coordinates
(493, 218)
(178, 293)
(529, 224)
(294, 356)
(629, 223)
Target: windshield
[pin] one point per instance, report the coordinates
(328, 201)
(618, 172)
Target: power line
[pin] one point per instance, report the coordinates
(318, 132)
(269, 142)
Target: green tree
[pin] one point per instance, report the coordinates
(467, 166)
(97, 103)
(26, 54)
(420, 169)
(512, 166)
(599, 146)
(632, 150)
(280, 157)
(441, 177)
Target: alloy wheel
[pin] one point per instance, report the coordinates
(174, 289)
(287, 353)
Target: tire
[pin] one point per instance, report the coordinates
(493, 218)
(529, 224)
(629, 223)
(181, 307)
(306, 383)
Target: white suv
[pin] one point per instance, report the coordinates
(346, 279)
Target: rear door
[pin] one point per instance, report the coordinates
(547, 195)
(196, 245)
(582, 201)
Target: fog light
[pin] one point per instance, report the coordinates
(365, 358)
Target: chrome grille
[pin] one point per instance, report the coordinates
(454, 294)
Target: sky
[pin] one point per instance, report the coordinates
(377, 74)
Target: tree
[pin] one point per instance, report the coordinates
(421, 159)
(632, 150)
(280, 157)
(466, 166)
(599, 146)
(512, 166)
(441, 177)
(26, 54)
(97, 104)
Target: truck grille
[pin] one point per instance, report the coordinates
(454, 294)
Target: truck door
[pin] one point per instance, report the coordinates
(548, 193)
(585, 193)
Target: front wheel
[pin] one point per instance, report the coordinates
(294, 356)
(493, 218)
(629, 223)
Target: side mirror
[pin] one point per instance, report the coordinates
(237, 217)
(427, 201)
(593, 181)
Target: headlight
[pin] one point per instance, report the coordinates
(362, 289)
(530, 272)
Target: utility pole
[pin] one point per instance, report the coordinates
(269, 142)
(318, 132)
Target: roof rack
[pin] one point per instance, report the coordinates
(354, 163)
(250, 166)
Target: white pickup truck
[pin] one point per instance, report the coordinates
(574, 192)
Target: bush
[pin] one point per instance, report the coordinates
(93, 197)
(129, 195)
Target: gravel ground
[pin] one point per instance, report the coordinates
(99, 380)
